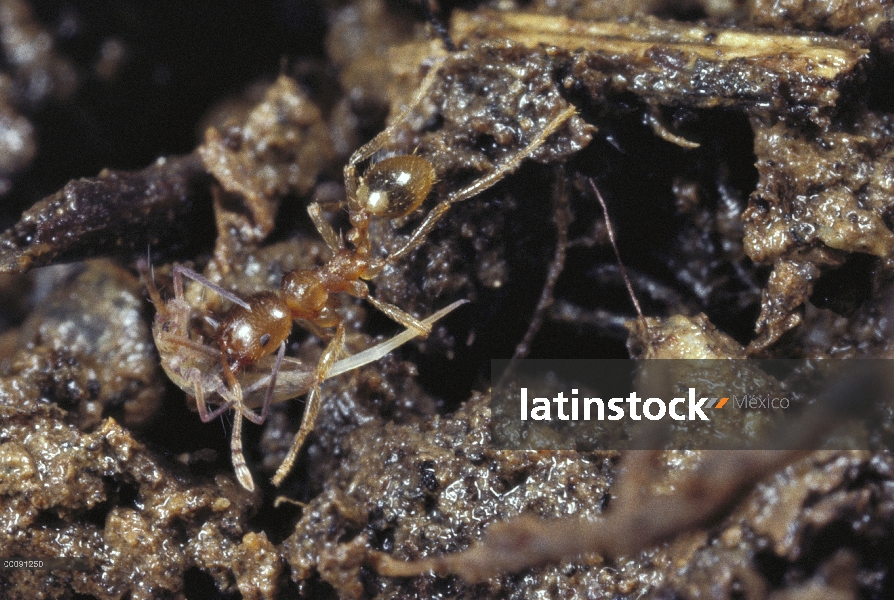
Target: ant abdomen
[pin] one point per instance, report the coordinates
(395, 187)
(247, 335)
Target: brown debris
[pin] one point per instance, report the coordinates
(673, 64)
(833, 188)
(258, 567)
(279, 149)
(432, 487)
(822, 15)
(114, 213)
(664, 495)
(641, 517)
(680, 337)
(805, 520)
(488, 103)
(594, 10)
(818, 195)
(787, 289)
(105, 497)
(404, 492)
(92, 323)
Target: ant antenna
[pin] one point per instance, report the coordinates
(611, 237)
(438, 25)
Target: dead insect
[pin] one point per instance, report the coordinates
(217, 374)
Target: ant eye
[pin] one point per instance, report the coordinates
(396, 186)
(265, 339)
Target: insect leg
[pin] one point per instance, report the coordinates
(233, 390)
(195, 377)
(400, 316)
(268, 398)
(180, 270)
(330, 354)
(332, 239)
(239, 466)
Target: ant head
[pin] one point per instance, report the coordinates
(246, 336)
(396, 186)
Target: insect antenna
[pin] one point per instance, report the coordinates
(623, 270)
(438, 25)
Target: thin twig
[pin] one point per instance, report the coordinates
(611, 236)
(561, 217)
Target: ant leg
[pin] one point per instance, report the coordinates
(268, 398)
(400, 316)
(315, 330)
(330, 354)
(431, 219)
(359, 289)
(480, 185)
(239, 465)
(332, 239)
(180, 270)
(195, 377)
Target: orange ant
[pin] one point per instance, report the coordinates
(391, 188)
(205, 371)
(253, 329)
